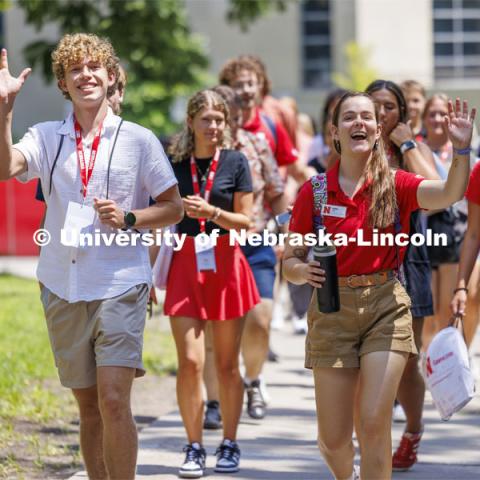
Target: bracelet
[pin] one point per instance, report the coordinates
(462, 151)
(216, 214)
(460, 289)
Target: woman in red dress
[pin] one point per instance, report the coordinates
(209, 279)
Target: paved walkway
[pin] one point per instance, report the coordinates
(283, 445)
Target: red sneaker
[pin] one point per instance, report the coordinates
(406, 455)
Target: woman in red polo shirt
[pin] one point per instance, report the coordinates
(469, 253)
(367, 343)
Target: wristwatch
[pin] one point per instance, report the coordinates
(129, 220)
(408, 145)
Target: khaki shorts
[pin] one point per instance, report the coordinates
(99, 333)
(371, 319)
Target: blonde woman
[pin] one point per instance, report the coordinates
(367, 343)
(209, 281)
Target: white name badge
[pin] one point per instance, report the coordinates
(79, 217)
(334, 211)
(205, 253)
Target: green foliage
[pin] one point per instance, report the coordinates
(26, 360)
(245, 12)
(163, 59)
(358, 72)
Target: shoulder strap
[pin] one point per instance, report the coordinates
(398, 229)
(111, 155)
(320, 197)
(271, 125)
(55, 162)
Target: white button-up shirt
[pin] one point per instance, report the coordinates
(139, 170)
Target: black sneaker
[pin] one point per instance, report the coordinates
(228, 457)
(213, 419)
(272, 356)
(194, 463)
(256, 406)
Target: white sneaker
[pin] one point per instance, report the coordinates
(356, 473)
(194, 463)
(278, 317)
(399, 414)
(299, 325)
(263, 389)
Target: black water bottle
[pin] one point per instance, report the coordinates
(328, 298)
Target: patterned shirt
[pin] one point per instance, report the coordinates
(266, 179)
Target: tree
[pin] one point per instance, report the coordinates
(163, 59)
(245, 12)
(359, 74)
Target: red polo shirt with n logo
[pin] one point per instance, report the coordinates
(346, 215)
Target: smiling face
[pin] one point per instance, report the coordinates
(208, 127)
(357, 129)
(434, 118)
(388, 110)
(247, 87)
(416, 104)
(87, 82)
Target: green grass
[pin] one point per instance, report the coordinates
(26, 360)
(29, 386)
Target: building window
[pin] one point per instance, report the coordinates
(456, 28)
(316, 44)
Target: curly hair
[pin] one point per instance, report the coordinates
(262, 73)
(234, 66)
(183, 144)
(74, 48)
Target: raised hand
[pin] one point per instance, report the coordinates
(459, 124)
(401, 133)
(10, 86)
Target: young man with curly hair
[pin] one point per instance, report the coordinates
(246, 78)
(97, 173)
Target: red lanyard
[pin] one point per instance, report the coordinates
(84, 172)
(208, 187)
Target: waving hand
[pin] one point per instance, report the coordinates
(10, 86)
(459, 124)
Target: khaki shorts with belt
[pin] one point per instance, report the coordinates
(98, 333)
(373, 318)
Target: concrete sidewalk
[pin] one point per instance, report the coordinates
(20, 266)
(283, 445)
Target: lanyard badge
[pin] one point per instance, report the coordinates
(86, 172)
(204, 247)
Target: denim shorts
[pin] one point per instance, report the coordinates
(418, 272)
(262, 261)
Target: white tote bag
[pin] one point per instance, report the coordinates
(161, 266)
(449, 378)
